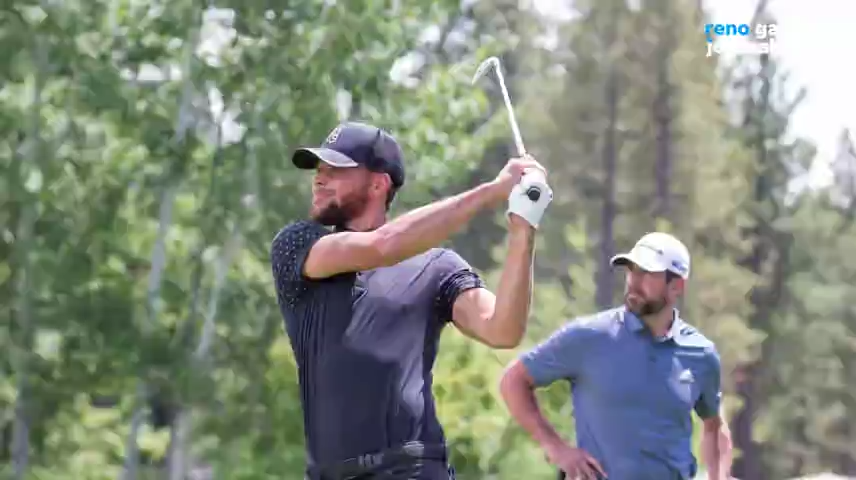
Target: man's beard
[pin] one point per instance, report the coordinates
(646, 307)
(338, 215)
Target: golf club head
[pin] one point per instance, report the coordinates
(484, 67)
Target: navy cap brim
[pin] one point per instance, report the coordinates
(308, 158)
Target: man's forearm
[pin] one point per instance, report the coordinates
(716, 453)
(523, 407)
(514, 293)
(428, 226)
(711, 454)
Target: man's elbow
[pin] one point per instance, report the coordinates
(506, 342)
(499, 336)
(505, 333)
(514, 381)
(507, 384)
(476, 312)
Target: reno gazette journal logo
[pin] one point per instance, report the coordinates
(740, 38)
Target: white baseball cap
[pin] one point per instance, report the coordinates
(657, 252)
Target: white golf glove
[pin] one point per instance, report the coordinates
(521, 205)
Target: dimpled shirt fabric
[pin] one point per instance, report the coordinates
(365, 344)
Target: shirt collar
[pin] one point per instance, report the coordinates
(635, 325)
(348, 229)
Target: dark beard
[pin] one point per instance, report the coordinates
(339, 214)
(649, 307)
(334, 215)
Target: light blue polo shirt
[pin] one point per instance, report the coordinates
(633, 394)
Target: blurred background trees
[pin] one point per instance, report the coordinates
(145, 168)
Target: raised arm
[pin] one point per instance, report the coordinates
(499, 320)
(412, 233)
(406, 236)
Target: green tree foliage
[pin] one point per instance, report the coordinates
(146, 148)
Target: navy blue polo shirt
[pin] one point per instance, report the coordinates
(365, 345)
(633, 394)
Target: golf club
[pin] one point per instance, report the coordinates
(534, 193)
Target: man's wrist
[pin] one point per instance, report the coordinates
(549, 441)
(519, 230)
(494, 192)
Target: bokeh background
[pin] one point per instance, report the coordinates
(144, 150)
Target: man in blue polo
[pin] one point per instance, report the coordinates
(365, 301)
(637, 372)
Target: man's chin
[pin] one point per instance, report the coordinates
(633, 302)
(644, 309)
(328, 217)
(323, 220)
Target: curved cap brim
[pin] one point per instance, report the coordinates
(648, 262)
(308, 158)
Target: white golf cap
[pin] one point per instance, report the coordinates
(658, 252)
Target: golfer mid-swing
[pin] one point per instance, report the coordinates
(636, 374)
(364, 303)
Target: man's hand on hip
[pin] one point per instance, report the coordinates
(575, 462)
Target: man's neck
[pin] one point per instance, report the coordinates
(367, 222)
(661, 322)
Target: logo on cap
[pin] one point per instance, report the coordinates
(658, 251)
(334, 135)
(679, 266)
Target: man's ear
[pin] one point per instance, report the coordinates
(381, 183)
(677, 285)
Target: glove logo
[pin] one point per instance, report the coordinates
(530, 198)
